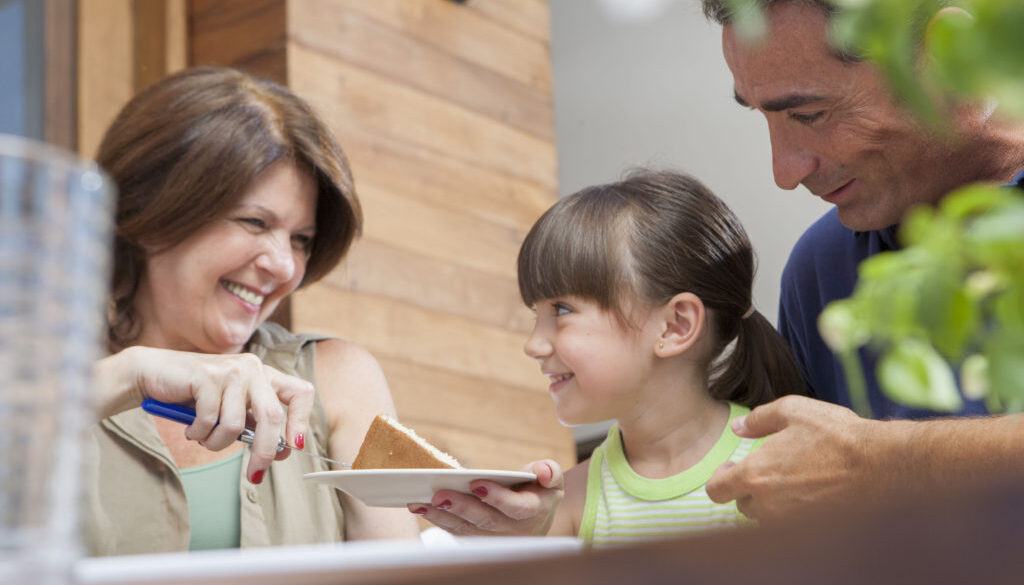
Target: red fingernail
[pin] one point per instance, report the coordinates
(257, 476)
(420, 511)
(445, 505)
(480, 491)
(300, 440)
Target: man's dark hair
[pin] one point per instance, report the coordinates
(721, 11)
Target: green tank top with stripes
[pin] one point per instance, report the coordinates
(623, 507)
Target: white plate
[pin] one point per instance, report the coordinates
(397, 487)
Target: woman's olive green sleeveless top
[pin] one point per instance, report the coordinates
(134, 501)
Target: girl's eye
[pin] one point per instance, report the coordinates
(561, 309)
(806, 118)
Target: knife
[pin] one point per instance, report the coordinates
(184, 415)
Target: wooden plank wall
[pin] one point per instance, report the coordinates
(246, 34)
(123, 46)
(60, 110)
(445, 112)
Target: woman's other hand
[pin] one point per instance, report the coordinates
(227, 389)
(492, 509)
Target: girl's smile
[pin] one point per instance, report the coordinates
(558, 381)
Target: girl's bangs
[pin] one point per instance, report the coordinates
(570, 251)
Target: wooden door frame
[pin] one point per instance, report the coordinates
(59, 73)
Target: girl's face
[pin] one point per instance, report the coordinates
(210, 292)
(594, 363)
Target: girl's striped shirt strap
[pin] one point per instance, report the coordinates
(624, 508)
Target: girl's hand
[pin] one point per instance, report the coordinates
(227, 389)
(493, 509)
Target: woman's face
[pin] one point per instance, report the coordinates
(210, 292)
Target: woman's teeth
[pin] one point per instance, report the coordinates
(559, 378)
(243, 293)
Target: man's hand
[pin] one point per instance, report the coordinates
(816, 455)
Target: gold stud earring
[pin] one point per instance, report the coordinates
(661, 345)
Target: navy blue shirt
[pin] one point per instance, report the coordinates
(822, 268)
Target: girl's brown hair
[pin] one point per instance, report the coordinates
(652, 236)
(184, 151)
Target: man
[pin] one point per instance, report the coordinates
(837, 129)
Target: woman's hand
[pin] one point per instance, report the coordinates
(492, 509)
(227, 389)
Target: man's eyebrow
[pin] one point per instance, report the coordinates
(783, 103)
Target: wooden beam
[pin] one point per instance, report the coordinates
(159, 40)
(123, 46)
(105, 71)
(59, 106)
(246, 34)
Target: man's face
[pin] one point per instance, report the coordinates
(835, 126)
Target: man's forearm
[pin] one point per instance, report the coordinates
(920, 456)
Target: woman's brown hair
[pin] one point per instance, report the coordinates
(184, 150)
(651, 236)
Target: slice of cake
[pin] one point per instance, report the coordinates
(390, 445)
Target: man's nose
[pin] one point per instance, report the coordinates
(792, 162)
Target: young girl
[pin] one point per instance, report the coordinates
(642, 291)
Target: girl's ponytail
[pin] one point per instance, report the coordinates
(759, 368)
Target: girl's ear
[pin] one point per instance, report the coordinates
(683, 320)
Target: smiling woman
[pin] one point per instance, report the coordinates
(257, 256)
(232, 194)
(213, 131)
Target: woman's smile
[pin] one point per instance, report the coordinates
(250, 297)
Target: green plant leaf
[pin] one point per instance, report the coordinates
(1005, 356)
(913, 373)
(949, 316)
(972, 200)
(841, 327)
(749, 19)
(997, 238)
(1008, 307)
(974, 376)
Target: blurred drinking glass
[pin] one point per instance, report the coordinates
(55, 242)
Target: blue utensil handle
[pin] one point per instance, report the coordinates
(187, 416)
(174, 412)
